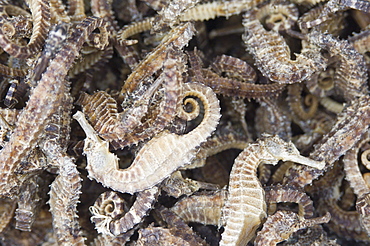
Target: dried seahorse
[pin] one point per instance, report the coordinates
(351, 124)
(41, 105)
(176, 39)
(64, 197)
(272, 54)
(246, 206)
(161, 156)
(351, 74)
(117, 128)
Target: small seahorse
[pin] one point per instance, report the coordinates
(246, 206)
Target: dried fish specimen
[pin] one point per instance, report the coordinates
(351, 73)
(343, 222)
(355, 117)
(279, 193)
(245, 207)
(171, 76)
(132, 29)
(118, 127)
(66, 188)
(272, 54)
(145, 172)
(279, 227)
(108, 212)
(176, 39)
(202, 208)
(131, 72)
(56, 133)
(103, 9)
(347, 224)
(41, 22)
(314, 129)
(41, 106)
(42, 226)
(64, 196)
(240, 108)
(13, 72)
(18, 22)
